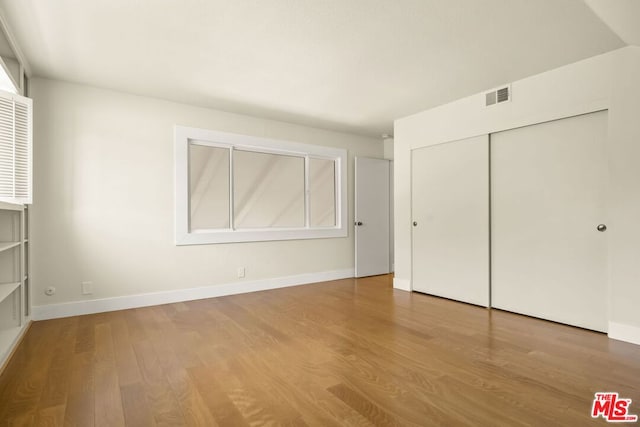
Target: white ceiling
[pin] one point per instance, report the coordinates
(622, 16)
(348, 65)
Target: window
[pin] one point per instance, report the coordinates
(208, 187)
(6, 83)
(236, 188)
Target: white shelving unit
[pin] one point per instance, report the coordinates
(15, 304)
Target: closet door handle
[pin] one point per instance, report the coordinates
(358, 223)
(415, 223)
(601, 228)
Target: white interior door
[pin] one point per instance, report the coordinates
(450, 206)
(392, 256)
(548, 189)
(372, 216)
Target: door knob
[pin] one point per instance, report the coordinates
(358, 223)
(415, 223)
(601, 228)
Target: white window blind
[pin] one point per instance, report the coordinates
(15, 148)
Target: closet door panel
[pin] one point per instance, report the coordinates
(548, 198)
(450, 207)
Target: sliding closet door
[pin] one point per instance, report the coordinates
(548, 189)
(450, 206)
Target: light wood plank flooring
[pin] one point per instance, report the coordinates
(347, 352)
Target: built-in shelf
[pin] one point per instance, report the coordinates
(8, 337)
(15, 304)
(11, 206)
(4, 246)
(7, 289)
(15, 295)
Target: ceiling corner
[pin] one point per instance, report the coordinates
(14, 44)
(621, 16)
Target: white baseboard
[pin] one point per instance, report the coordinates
(76, 308)
(622, 332)
(402, 284)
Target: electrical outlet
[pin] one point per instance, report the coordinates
(50, 291)
(87, 288)
(241, 272)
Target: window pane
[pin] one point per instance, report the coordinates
(322, 196)
(208, 187)
(268, 190)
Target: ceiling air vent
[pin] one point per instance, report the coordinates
(497, 96)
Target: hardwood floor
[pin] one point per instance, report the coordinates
(348, 352)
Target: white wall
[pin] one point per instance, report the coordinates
(624, 204)
(388, 148)
(605, 81)
(103, 198)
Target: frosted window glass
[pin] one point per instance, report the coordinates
(268, 190)
(208, 187)
(322, 193)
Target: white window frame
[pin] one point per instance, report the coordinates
(185, 236)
